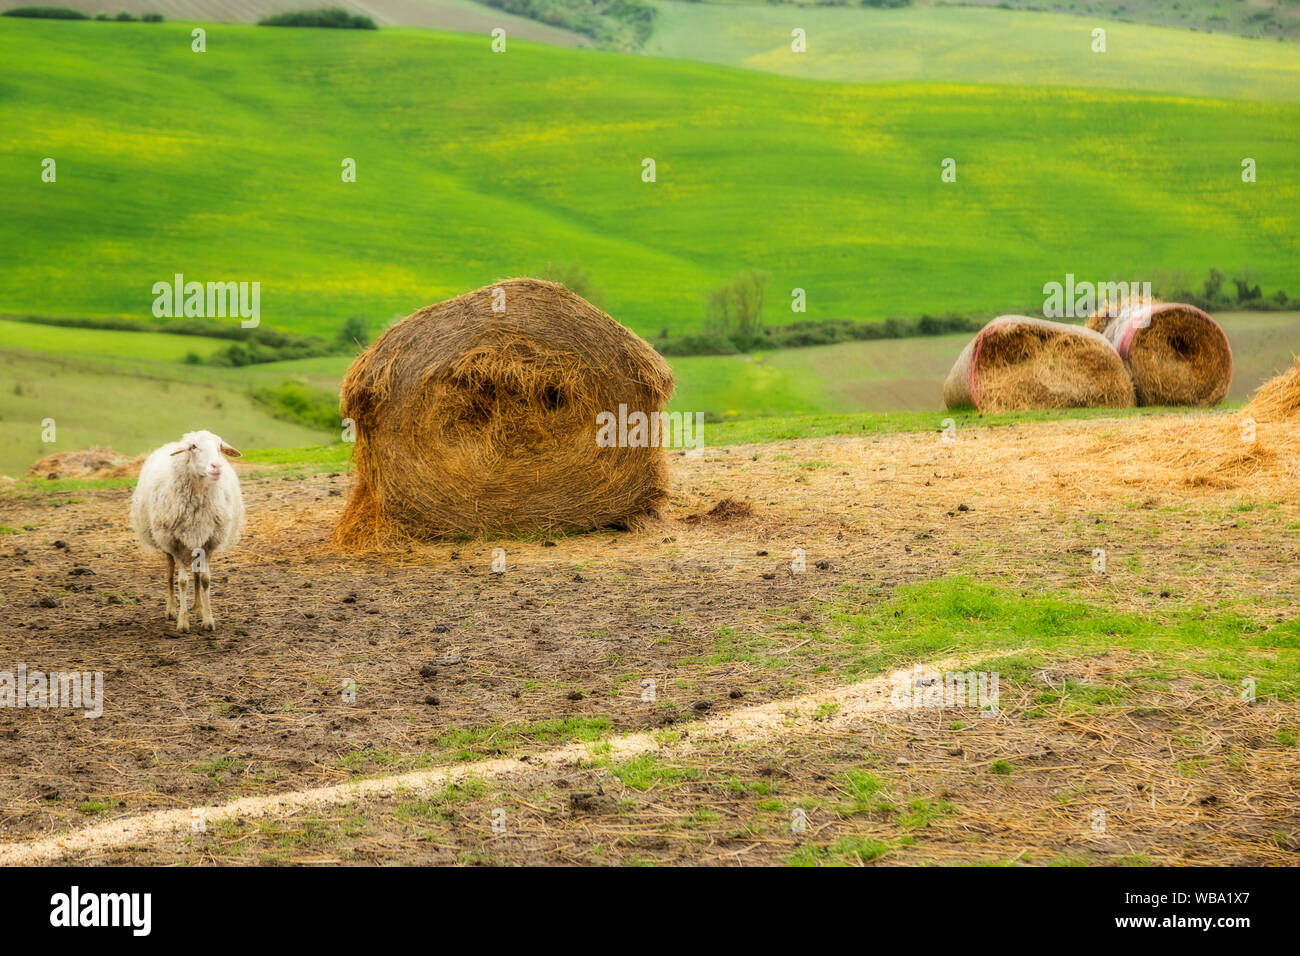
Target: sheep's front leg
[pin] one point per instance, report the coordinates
(171, 587)
(203, 594)
(182, 609)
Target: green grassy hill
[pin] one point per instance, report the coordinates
(975, 45)
(474, 166)
(1266, 18)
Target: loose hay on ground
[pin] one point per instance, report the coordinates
(728, 509)
(94, 462)
(1258, 446)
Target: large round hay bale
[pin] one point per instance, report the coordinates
(1020, 362)
(1175, 353)
(473, 421)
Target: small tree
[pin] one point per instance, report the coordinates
(739, 302)
(576, 279)
(1214, 284)
(354, 332)
(1244, 291)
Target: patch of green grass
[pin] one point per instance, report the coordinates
(214, 769)
(863, 788)
(1074, 697)
(313, 831)
(322, 457)
(364, 760)
(701, 817)
(921, 813)
(827, 710)
(958, 615)
(95, 806)
(473, 743)
(647, 771)
(303, 404)
(846, 851)
(440, 806)
(787, 428)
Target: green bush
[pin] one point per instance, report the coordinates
(152, 18)
(296, 402)
(800, 334)
(250, 346)
(623, 24)
(576, 279)
(1214, 293)
(333, 17)
(46, 13)
(353, 333)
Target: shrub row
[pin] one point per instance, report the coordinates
(64, 13)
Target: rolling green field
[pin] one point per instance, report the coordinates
(60, 340)
(975, 45)
(1269, 18)
(474, 166)
(96, 404)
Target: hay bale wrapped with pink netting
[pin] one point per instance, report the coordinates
(1018, 362)
(478, 415)
(1175, 353)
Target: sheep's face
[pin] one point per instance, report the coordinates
(205, 455)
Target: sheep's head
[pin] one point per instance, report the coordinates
(205, 454)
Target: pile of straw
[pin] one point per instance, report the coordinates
(94, 462)
(1019, 362)
(1176, 354)
(1278, 399)
(1258, 446)
(475, 421)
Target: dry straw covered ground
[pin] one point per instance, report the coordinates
(1121, 692)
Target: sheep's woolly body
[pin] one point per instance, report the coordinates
(175, 512)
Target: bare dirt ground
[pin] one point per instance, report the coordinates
(454, 664)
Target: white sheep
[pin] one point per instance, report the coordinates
(188, 505)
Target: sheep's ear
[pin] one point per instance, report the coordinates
(230, 452)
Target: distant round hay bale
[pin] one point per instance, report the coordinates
(475, 421)
(1018, 362)
(1175, 353)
